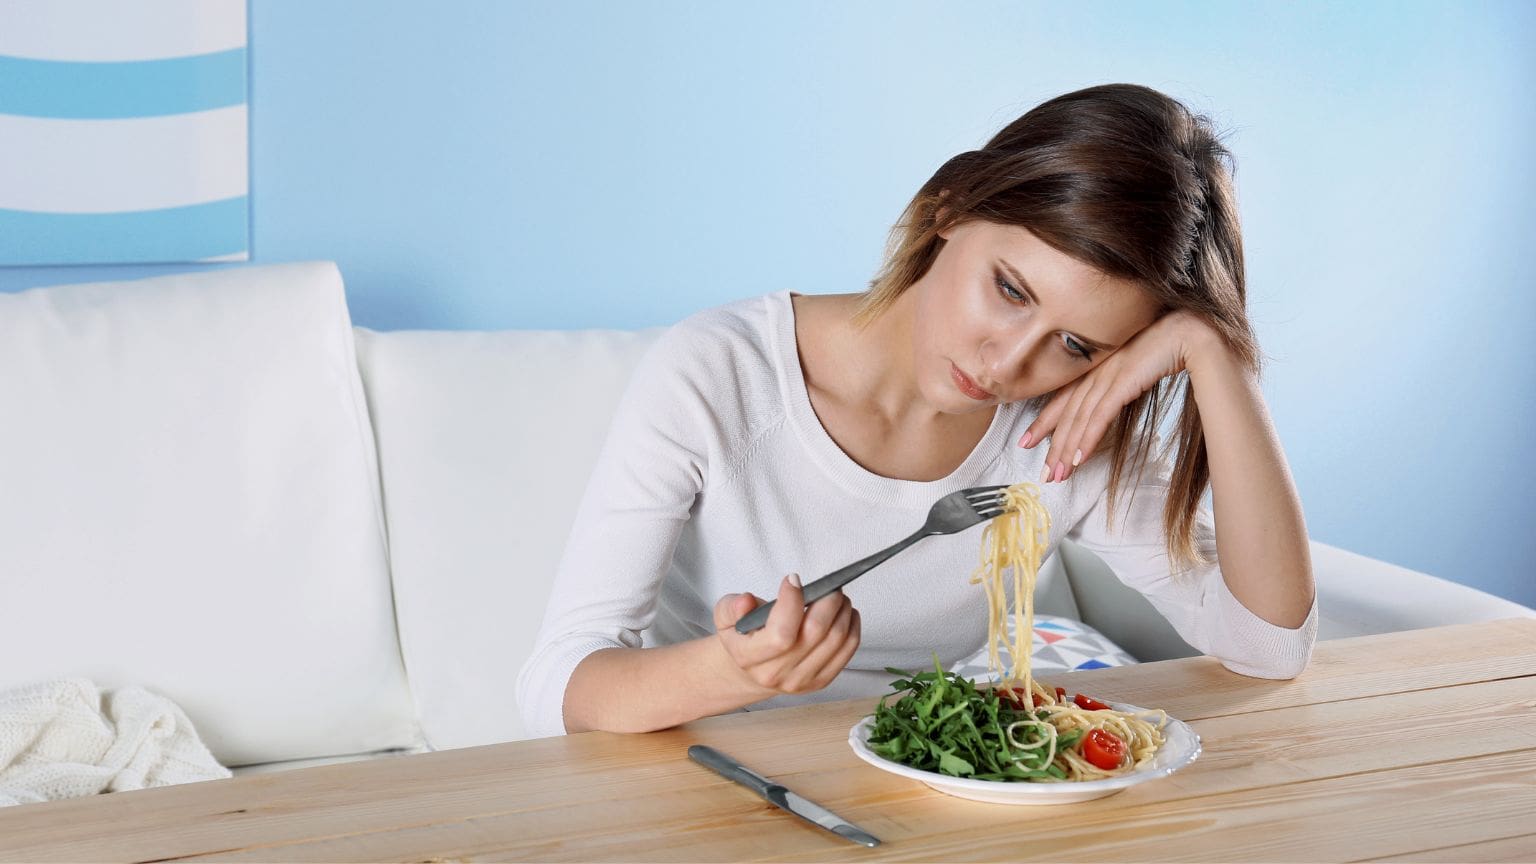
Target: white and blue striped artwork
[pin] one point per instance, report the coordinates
(123, 131)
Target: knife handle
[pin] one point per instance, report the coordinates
(729, 768)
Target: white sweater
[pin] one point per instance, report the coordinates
(718, 478)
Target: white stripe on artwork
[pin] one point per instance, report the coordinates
(105, 166)
(116, 30)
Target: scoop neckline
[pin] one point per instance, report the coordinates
(838, 465)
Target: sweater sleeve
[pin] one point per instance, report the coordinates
(1197, 601)
(651, 467)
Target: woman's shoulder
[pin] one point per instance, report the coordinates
(737, 335)
(746, 319)
(722, 360)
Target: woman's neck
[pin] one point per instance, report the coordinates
(862, 385)
(870, 369)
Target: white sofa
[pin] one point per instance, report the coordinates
(326, 542)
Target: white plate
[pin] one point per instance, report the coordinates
(1180, 747)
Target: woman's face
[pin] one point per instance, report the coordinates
(1001, 316)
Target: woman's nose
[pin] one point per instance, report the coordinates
(1006, 358)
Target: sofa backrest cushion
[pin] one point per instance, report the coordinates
(486, 441)
(189, 502)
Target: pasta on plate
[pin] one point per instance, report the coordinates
(1018, 730)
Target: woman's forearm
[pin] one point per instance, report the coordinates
(644, 689)
(1261, 535)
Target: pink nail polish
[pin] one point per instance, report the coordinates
(1061, 471)
(1024, 442)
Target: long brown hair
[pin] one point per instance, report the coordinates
(1127, 180)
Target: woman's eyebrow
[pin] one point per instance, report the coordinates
(1024, 286)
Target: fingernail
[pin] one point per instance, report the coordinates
(1077, 459)
(1024, 442)
(794, 579)
(1045, 476)
(1061, 471)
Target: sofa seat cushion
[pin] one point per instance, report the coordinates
(292, 764)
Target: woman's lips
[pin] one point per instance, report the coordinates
(967, 386)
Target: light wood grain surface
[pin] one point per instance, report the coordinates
(1412, 746)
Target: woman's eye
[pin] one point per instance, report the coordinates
(1076, 348)
(1008, 290)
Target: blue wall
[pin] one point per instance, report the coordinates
(579, 164)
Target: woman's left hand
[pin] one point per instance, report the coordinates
(1077, 417)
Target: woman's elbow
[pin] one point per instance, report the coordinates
(1273, 667)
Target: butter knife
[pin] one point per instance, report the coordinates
(777, 795)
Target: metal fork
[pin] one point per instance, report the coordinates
(954, 512)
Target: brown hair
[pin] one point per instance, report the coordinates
(1126, 180)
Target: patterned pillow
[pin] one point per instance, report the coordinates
(1060, 645)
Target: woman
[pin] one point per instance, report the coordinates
(1043, 301)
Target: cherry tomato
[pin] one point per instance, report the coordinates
(1103, 750)
(1088, 704)
(1061, 695)
(1013, 696)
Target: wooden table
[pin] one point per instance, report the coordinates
(1412, 746)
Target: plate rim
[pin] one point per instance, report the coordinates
(1024, 788)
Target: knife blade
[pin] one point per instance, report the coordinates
(779, 796)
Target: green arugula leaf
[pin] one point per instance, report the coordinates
(942, 722)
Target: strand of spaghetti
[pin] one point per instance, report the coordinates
(1017, 541)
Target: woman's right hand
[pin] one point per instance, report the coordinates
(800, 649)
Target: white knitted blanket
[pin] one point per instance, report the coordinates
(65, 739)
